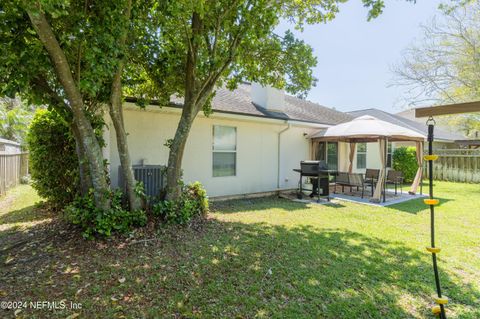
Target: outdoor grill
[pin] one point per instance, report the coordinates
(311, 168)
(319, 173)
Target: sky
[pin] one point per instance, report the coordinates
(355, 57)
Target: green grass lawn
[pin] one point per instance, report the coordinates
(262, 258)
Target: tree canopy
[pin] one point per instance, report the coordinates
(15, 116)
(444, 65)
(70, 55)
(87, 32)
(191, 48)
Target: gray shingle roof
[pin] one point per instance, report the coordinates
(240, 102)
(440, 135)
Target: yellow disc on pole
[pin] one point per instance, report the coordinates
(430, 157)
(434, 250)
(436, 310)
(429, 201)
(441, 301)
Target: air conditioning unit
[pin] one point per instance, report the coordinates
(153, 178)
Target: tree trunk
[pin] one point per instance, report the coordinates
(116, 114)
(85, 180)
(193, 105)
(115, 108)
(175, 156)
(90, 143)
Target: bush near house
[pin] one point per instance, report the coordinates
(94, 221)
(405, 160)
(55, 176)
(192, 202)
(53, 160)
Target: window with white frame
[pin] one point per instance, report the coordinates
(361, 155)
(224, 151)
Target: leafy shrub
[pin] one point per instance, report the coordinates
(405, 160)
(192, 202)
(53, 160)
(94, 221)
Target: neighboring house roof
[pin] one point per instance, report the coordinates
(240, 102)
(410, 115)
(440, 135)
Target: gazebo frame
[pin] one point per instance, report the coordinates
(372, 139)
(397, 135)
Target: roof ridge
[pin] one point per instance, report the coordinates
(406, 121)
(402, 119)
(363, 110)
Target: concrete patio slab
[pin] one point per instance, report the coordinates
(355, 197)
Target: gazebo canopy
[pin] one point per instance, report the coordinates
(367, 129)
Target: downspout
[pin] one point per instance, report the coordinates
(278, 155)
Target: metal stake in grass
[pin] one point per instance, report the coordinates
(441, 301)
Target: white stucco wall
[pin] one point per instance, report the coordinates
(257, 149)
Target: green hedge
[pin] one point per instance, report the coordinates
(53, 159)
(95, 222)
(192, 202)
(405, 160)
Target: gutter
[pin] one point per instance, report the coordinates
(278, 150)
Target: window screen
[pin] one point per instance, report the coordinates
(224, 151)
(361, 155)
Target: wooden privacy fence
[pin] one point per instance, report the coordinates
(12, 168)
(457, 165)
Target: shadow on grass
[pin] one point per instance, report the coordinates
(258, 204)
(415, 206)
(27, 214)
(242, 270)
(334, 205)
(303, 272)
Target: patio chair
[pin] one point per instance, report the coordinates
(371, 178)
(358, 181)
(395, 178)
(351, 180)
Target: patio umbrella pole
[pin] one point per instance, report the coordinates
(441, 301)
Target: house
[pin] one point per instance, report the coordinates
(473, 141)
(9, 147)
(250, 144)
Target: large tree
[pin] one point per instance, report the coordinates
(198, 46)
(444, 65)
(69, 55)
